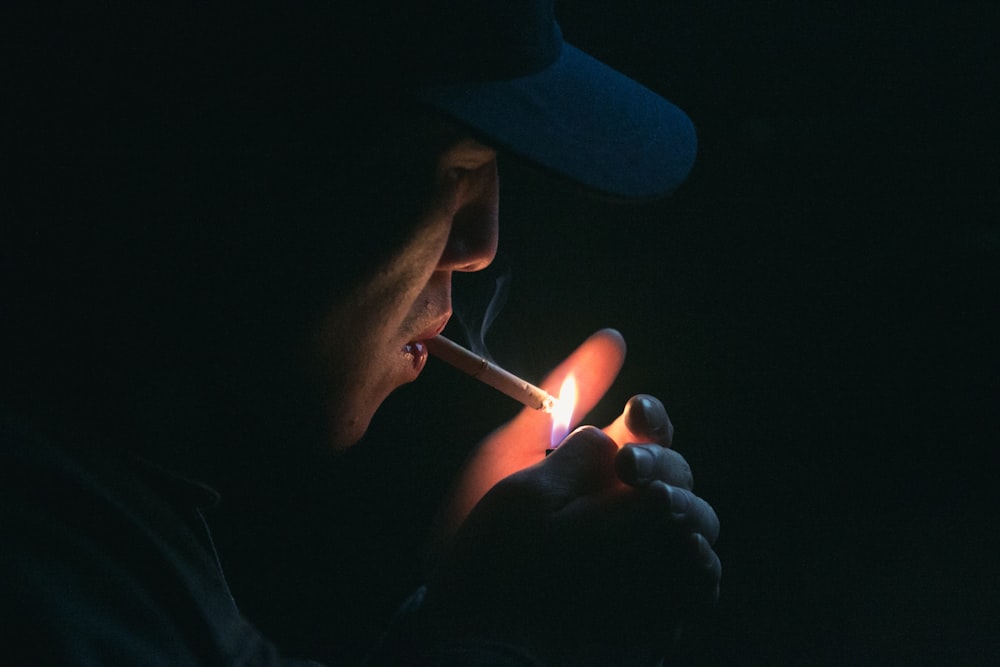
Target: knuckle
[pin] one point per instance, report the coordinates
(678, 470)
(685, 475)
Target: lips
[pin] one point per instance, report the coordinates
(416, 349)
(432, 330)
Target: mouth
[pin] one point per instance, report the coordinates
(416, 348)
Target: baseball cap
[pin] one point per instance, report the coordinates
(503, 68)
(499, 67)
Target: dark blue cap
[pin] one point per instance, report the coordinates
(500, 67)
(506, 71)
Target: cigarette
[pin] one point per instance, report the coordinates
(489, 373)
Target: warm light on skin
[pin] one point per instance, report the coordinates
(620, 432)
(522, 441)
(562, 413)
(358, 349)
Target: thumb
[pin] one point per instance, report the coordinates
(644, 420)
(584, 463)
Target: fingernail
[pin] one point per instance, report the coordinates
(643, 460)
(646, 415)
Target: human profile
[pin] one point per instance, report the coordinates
(236, 227)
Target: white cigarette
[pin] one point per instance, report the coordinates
(489, 373)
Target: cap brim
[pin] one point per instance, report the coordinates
(584, 120)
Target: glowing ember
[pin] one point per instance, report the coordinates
(562, 413)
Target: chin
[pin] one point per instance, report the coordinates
(350, 413)
(345, 434)
(349, 421)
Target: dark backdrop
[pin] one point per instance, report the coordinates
(815, 308)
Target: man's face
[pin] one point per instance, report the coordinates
(371, 343)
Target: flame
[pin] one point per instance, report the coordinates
(562, 413)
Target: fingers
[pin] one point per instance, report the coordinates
(686, 510)
(706, 568)
(640, 465)
(583, 464)
(522, 441)
(644, 419)
(670, 526)
(698, 526)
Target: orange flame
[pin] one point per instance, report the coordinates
(562, 413)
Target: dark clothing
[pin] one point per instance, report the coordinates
(107, 560)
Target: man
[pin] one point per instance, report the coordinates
(231, 231)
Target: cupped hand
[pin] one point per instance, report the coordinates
(522, 441)
(645, 461)
(565, 559)
(602, 544)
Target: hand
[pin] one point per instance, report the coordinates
(596, 548)
(645, 434)
(522, 441)
(566, 560)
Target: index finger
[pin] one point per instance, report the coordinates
(594, 364)
(643, 464)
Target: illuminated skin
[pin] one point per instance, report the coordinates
(605, 547)
(371, 343)
(612, 495)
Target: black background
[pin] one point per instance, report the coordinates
(815, 307)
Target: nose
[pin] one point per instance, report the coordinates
(472, 242)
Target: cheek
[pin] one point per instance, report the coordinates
(354, 389)
(357, 353)
(358, 343)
